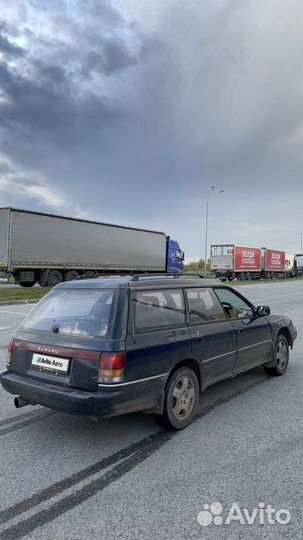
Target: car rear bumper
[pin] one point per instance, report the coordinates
(121, 399)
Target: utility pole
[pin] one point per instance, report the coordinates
(211, 190)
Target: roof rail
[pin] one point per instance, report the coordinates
(105, 274)
(137, 277)
(173, 275)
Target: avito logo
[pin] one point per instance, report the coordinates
(214, 514)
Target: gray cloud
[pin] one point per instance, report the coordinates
(8, 49)
(110, 57)
(131, 110)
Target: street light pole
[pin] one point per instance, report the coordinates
(206, 230)
(212, 188)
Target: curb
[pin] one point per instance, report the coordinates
(18, 302)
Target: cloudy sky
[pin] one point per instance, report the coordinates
(127, 111)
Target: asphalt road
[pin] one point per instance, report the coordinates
(5, 285)
(124, 478)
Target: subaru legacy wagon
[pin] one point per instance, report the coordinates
(114, 345)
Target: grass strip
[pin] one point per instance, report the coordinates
(35, 293)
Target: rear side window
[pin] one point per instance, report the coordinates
(158, 309)
(71, 312)
(204, 306)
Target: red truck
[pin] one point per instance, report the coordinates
(273, 263)
(229, 262)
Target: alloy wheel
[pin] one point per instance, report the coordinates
(183, 398)
(281, 355)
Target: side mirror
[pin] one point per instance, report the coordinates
(262, 311)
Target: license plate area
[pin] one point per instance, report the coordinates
(56, 364)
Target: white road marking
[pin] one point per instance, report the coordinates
(5, 327)
(13, 312)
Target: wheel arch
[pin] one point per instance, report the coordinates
(286, 333)
(282, 332)
(189, 363)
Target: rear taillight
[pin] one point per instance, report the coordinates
(9, 352)
(111, 367)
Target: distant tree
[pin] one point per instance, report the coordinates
(197, 266)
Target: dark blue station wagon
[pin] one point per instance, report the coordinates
(115, 345)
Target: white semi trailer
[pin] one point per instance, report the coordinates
(46, 248)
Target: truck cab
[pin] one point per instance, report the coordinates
(298, 264)
(175, 256)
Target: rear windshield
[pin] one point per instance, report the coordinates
(81, 312)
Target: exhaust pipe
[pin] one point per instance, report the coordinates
(19, 402)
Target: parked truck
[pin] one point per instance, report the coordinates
(46, 248)
(273, 263)
(298, 265)
(230, 262)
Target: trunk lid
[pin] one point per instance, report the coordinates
(61, 340)
(61, 365)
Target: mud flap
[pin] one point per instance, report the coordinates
(273, 362)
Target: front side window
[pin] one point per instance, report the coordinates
(158, 309)
(73, 312)
(234, 306)
(204, 306)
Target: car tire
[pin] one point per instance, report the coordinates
(281, 357)
(180, 400)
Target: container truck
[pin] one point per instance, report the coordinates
(273, 263)
(229, 261)
(46, 248)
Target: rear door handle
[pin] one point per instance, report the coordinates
(200, 338)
